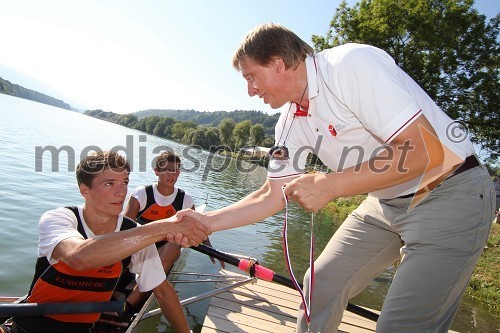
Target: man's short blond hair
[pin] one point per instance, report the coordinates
(268, 41)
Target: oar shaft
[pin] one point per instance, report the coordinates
(283, 281)
(267, 274)
(217, 254)
(260, 271)
(40, 309)
(362, 312)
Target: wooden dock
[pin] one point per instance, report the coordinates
(265, 307)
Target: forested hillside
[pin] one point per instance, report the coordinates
(6, 87)
(208, 130)
(214, 118)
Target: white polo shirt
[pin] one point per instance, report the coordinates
(359, 100)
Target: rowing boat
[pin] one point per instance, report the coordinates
(110, 322)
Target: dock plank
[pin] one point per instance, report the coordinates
(250, 298)
(265, 307)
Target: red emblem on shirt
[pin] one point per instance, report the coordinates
(299, 112)
(332, 130)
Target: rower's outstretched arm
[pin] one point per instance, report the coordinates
(83, 254)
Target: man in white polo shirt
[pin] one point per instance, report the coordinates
(429, 200)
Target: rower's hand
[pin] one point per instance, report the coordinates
(212, 259)
(190, 231)
(310, 191)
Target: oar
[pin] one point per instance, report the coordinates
(266, 274)
(41, 309)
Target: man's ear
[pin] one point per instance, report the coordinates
(278, 63)
(157, 172)
(84, 190)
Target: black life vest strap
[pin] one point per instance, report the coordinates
(150, 199)
(80, 229)
(179, 200)
(126, 224)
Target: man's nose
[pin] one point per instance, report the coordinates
(252, 89)
(122, 190)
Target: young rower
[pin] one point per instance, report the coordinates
(82, 251)
(159, 201)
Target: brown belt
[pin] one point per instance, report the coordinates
(469, 163)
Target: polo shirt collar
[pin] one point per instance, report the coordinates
(312, 76)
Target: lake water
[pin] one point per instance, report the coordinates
(32, 182)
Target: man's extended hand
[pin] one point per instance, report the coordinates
(310, 191)
(188, 228)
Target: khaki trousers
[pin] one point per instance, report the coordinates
(439, 242)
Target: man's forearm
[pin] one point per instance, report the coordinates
(257, 206)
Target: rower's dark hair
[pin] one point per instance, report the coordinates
(97, 162)
(166, 156)
(270, 40)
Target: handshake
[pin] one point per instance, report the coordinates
(186, 228)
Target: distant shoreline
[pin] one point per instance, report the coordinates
(12, 89)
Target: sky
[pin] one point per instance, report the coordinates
(127, 55)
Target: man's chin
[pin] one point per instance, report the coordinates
(275, 106)
(116, 210)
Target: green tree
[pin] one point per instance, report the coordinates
(128, 120)
(257, 134)
(446, 46)
(140, 125)
(167, 133)
(179, 129)
(159, 128)
(241, 133)
(197, 137)
(226, 128)
(190, 135)
(164, 127)
(151, 123)
(268, 142)
(212, 137)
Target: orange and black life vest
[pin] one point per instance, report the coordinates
(153, 212)
(61, 283)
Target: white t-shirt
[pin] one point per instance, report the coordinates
(59, 224)
(359, 101)
(140, 194)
